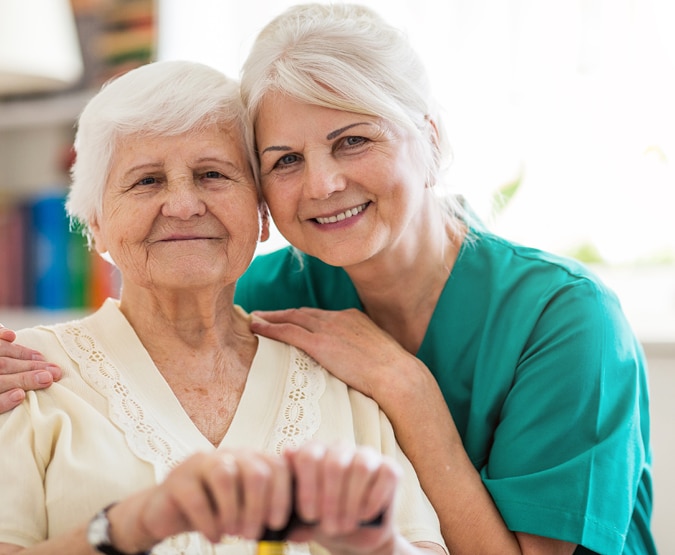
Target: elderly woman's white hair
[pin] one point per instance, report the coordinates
(346, 57)
(157, 99)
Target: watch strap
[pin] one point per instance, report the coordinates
(105, 546)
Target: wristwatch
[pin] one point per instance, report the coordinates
(98, 534)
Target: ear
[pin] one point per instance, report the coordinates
(264, 214)
(97, 233)
(435, 138)
(435, 144)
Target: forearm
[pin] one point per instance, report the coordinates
(73, 543)
(470, 521)
(125, 533)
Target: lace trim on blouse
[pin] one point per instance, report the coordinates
(297, 422)
(300, 415)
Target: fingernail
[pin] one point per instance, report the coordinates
(37, 356)
(43, 378)
(16, 396)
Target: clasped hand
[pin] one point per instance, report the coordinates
(240, 492)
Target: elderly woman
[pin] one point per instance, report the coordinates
(164, 185)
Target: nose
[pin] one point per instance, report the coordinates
(183, 199)
(323, 177)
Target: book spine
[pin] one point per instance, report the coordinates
(50, 240)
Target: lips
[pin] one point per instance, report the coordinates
(184, 238)
(349, 213)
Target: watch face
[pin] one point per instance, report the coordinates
(97, 533)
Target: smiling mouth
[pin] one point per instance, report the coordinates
(184, 239)
(343, 215)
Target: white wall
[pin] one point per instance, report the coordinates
(662, 383)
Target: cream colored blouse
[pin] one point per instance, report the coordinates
(112, 426)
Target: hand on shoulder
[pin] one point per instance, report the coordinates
(21, 369)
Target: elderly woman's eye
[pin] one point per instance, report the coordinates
(213, 175)
(147, 181)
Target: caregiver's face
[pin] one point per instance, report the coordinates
(341, 186)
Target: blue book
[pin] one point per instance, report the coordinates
(50, 246)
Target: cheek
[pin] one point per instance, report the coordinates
(279, 205)
(123, 227)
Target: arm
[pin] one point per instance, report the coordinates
(21, 369)
(355, 350)
(239, 492)
(225, 492)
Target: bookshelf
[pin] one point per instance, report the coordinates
(56, 110)
(47, 273)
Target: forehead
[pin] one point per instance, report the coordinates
(216, 140)
(283, 105)
(281, 114)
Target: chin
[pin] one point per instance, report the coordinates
(341, 257)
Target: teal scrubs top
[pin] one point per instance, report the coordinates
(542, 373)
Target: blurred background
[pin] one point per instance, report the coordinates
(560, 114)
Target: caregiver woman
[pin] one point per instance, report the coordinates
(513, 380)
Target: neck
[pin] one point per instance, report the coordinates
(399, 289)
(176, 323)
(202, 346)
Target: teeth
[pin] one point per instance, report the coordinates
(342, 215)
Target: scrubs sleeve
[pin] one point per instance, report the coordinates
(570, 444)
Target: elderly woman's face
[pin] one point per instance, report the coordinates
(179, 211)
(340, 186)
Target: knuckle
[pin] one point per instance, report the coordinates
(5, 404)
(10, 382)
(391, 470)
(26, 380)
(257, 473)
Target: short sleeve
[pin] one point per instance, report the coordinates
(578, 399)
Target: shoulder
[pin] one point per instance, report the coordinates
(554, 300)
(63, 343)
(529, 272)
(287, 278)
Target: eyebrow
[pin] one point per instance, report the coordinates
(329, 137)
(154, 166)
(271, 148)
(142, 167)
(338, 132)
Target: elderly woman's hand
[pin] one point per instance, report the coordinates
(227, 492)
(21, 369)
(338, 489)
(240, 492)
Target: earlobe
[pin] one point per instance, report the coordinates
(435, 139)
(264, 223)
(97, 235)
